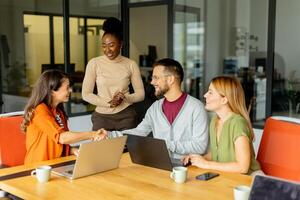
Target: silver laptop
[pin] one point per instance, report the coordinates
(271, 188)
(94, 157)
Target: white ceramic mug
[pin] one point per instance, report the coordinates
(179, 174)
(2, 193)
(42, 173)
(241, 192)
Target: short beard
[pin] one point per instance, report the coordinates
(161, 93)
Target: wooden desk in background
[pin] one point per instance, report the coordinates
(129, 181)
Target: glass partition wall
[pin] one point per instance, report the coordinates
(286, 75)
(85, 39)
(236, 42)
(254, 40)
(32, 40)
(257, 41)
(188, 43)
(181, 20)
(24, 47)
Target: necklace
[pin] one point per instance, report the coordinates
(59, 120)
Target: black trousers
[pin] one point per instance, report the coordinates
(125, 119)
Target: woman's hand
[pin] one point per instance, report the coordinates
(75, 151)
(100, 135)
(198, 160)
(117, 99)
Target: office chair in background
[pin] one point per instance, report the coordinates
(12, 140)
(279, 149)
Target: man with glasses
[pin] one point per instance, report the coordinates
(178, 118)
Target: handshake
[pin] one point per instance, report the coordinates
(99, 135)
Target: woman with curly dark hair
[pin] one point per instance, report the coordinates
(112, 73)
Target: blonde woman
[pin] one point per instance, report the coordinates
(231, 132)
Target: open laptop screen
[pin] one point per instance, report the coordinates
(271, 188)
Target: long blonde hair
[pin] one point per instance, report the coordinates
(232, 89)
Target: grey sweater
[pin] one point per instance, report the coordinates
(187, 134)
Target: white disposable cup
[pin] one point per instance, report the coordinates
(179, 174)
(42, 173)
(241, 192)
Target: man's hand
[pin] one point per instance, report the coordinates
(100, 135)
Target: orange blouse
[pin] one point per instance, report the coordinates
(42, 135)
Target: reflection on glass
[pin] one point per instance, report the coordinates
(94, 34)
(58, 39)
(77, 42)
(188, 48)
(286, 79)
(37, 50)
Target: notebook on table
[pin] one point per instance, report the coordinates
(271, 188)
(151, 152)
(94, 157)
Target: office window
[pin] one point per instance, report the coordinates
(236, 42)
(85, 44)
(94, 35)
(24, 47)
(37, 49)
(58, 36)
(286, 78)
(188, 42)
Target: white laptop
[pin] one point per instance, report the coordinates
(94, 157)
(271, 188)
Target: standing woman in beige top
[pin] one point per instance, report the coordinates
(112, 74)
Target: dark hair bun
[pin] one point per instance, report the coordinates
(112, 25)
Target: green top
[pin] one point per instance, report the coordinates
(233, 128)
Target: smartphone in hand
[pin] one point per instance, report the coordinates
(207, 176)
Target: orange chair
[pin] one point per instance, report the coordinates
(12, 141)
(279, 150)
